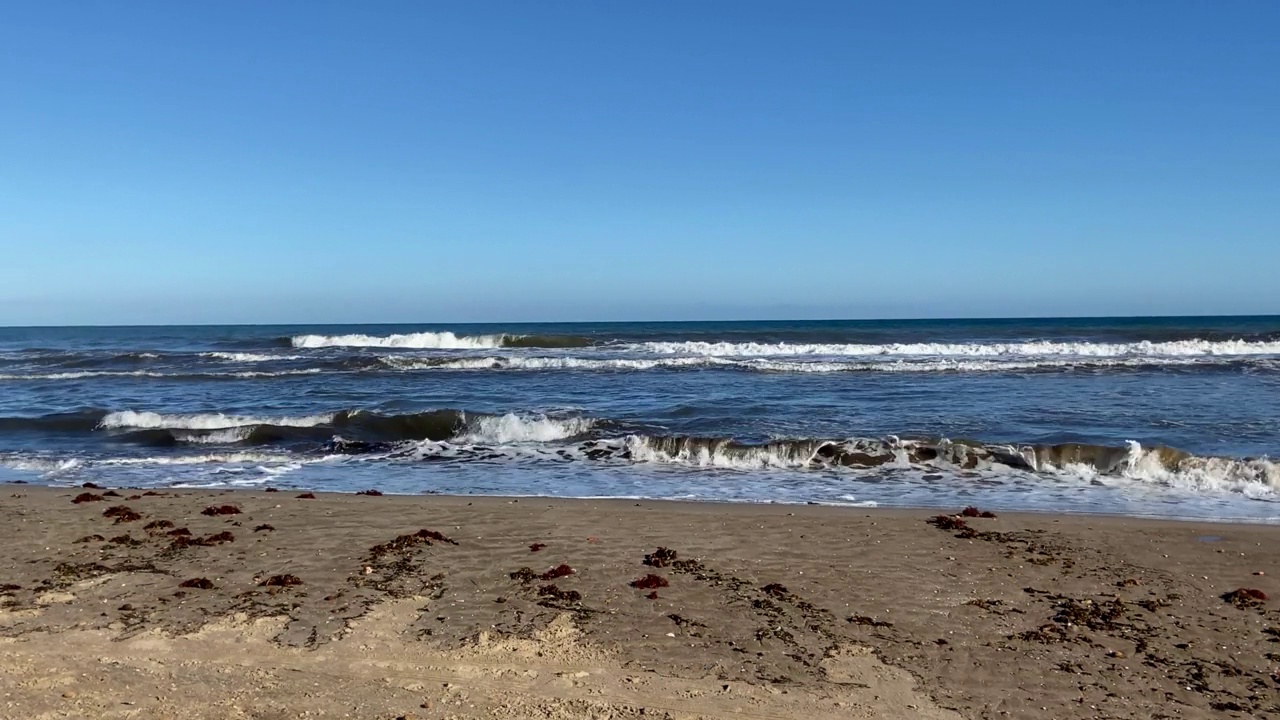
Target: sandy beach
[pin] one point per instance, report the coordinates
(202, 604)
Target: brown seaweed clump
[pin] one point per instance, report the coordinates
(536, 547)
(201, 583)
(184, 541)
(555, 593)
(126, 540)
(653, 595)
(221, 510)
(371, 493)
(307, 496)
(405, 542)
(271, 489)
(285, 580)
(662, 557)
(868, 621)
(525, 575)
(1245, 597)
(973, 512)
(111, 493)
(264, 528)
(649, 582)
(179, 532)
(157, 525)
(558, 571)
(91, 538)
(86, 497)
(121, 513)
(948, 522)
(92, 486)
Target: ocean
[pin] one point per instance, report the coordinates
(1168, 417)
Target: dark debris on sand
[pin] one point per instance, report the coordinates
(221, 510)
(306, 496)
(536, 547)
(201, 583)
(1245, 597)
(660, 558)
(649, 582)
(555, 593)
(122, 514)
(407, 542)
(264, 528)
(156, 526)
(285, 580)
(973, 512)
(86, 497)
(558, 571)
(371, 493)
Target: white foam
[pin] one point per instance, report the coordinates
(241, 357)
(202, 421)
(512, 428)
(423, 340)
(763, 364)
(216, 437)
(1179, 348)
(82, 374)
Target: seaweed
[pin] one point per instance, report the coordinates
(179, 532)
(649, 582)
(1245, 597)
(157, 525)
(973, 512)
(868, 621)
(92, 486)
(371, 493)
(122, 514)
(406, 542)
(221, 510)
(948, 522)
(558, 571)
(126, 540)
(201, 583)
(285, 580)
(525, 575)
(306, 496)
(660, 558)
(536, 547)
(557, 594)
(86, 497)
(264, 528)
(91, 538)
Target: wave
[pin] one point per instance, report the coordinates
(944, 365)
(512, 428)
(440, 341)
(174, 376)
(1178, 348)
(245, 357)
(202, 421)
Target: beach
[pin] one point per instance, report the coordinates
(277, 605)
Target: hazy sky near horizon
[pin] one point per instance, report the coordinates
(513, 161)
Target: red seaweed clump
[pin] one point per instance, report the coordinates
(86, 497)
(536, 547)
(285, 580)
(371, 493)
(121, 513)
(1245, 597)
(653, 595)
(661, 557)
(221, 510)
(201, 583)
(649, 582)
(558, 571)
(973, 512)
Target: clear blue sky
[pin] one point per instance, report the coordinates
(502, 161)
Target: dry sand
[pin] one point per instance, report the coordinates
(767, 611)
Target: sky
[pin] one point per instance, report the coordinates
(238, 162)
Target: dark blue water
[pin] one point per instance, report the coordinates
(1156, 416)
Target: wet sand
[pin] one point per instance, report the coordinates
(343, 606)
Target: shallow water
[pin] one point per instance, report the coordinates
(1066, 415)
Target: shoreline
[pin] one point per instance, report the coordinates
(873, 506)
(767, 610)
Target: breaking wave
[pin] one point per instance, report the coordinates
(439, 341)
(202, 421)
(765, 364)
(1177, 348)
